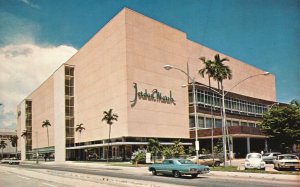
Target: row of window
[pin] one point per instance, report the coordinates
(28, 124)
(232, 105)
(208, 122)
(69, 105)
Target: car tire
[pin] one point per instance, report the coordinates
(217, 164)
(194, 175)
(176, 174)
(153, 171)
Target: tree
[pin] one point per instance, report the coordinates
(154, 147)
(178, 148)
(3, 145)
(109, 118)
(14, 143)
(282, 125)
(138, 156)
(217, 70)
(175, 150)
(79, 128)
(167, 152)
(209, 71)
(220, 72)
(46, 124)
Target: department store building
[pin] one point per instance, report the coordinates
(121, 68)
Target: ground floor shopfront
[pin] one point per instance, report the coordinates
(122, 151)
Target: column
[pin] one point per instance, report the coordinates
(59, 115)
(23, 127)
(248, 145)
(266, 145)
(231, 147)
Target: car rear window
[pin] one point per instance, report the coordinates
(185, 161)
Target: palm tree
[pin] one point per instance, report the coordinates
(209, 71)
(154, 147)
(79, 128)
(25, 134)
(222, 72)
(46, 124)
(14, 143)
(2, 146)
(109, 117)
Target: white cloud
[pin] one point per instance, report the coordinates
(23, 67)
(28, 2)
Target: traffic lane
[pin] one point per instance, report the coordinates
(16, 180)
(204, 180)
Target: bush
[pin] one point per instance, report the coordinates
(138, 156)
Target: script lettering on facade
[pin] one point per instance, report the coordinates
(153, 95)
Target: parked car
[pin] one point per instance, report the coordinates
(287, 161)
(10, 161)
(5, 161)
(14, 161)
(254, 161)
(178, 167)
(205, 160)
(270, 157)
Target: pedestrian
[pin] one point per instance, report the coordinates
(45, 157)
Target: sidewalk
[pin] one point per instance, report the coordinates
(144, 170)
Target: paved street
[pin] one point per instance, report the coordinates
(96, 174)
(18, 180)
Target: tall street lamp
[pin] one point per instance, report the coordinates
(223, 94)
(169, 67)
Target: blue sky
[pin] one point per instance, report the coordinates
(263, 33)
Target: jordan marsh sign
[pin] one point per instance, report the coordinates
(153, 95)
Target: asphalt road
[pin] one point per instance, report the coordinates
(8, 179)
(201, 180)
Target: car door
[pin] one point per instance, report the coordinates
(167, 167)
(202, 160)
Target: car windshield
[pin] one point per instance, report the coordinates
(185, 162)
(251, 156)
(266, 154)
(289, 157)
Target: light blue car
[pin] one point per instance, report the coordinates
(178, 167)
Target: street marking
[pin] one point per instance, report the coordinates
(49, 185)
(24, 177)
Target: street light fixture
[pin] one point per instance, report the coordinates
(169, 67)
(223, 94)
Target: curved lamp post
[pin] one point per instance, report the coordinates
(169, 67)
(223, 94)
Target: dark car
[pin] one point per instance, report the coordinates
(178, 167)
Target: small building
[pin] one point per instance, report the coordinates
(121, 68)
(11, 149)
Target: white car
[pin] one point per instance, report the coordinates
(287, 161)
(254, 161)
(270, 157)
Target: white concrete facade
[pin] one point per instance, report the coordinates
(23, 128)
(59, 115)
